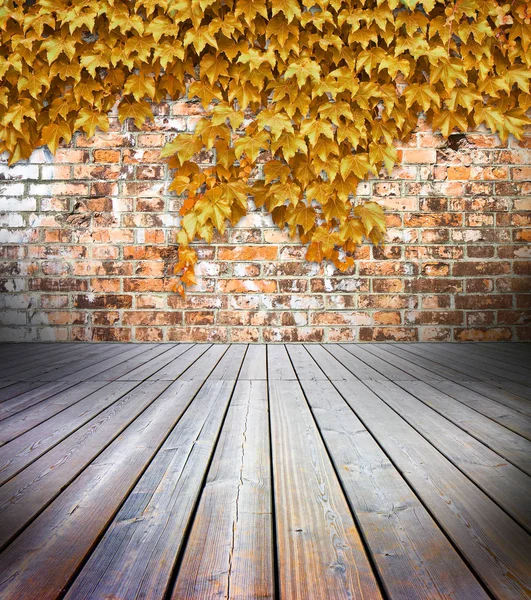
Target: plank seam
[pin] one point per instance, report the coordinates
(174, 574)
(414, 492)
(364, 542)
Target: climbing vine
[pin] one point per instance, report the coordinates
(303, 98)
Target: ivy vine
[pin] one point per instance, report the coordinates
(302, 98)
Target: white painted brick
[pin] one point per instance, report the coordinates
(53, 334)
(19, 171)
(14, 301)
(41, 155)
(12, 219)
(12, 317)
(18, 334)
(15, 236)
(51, 172)
(41, 189)
(11, 189)
(17, 204)
(16, 284)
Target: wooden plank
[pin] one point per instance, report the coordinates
(512, 419)
(32, 397)
(388, 370)
(518, 350)
(17, 388)
(9, 351)
(152, 367)
(229, 553)
(448, 369)
(499, 355)
(28, 357)
(72, 367)
(235, 507)
(305, 367)
(188, 367)
(22, 451)
(334, 370)
(457, 370)
(25, 420)
(131, 364)
(229, 367)
(460, 355)
(185, 361)
(320, 553)
(414, 558)
(69, 359)
(19, 453)
(146, 536)
(102, 366)
(33, 371)
(517, 403)
(508, 444)
(39, 563)
(427, 362)
(491, 541)
(30, 491)
(408, 366)
(354, 364)
(12, 365)
(516, 388)
(7, 382)
(485, 358)
(278, 364)
(473, 367)
(255, 363)
(499, 479)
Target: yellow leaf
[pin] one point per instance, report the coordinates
(89, 120)
(138, 111)
(423, 95)
(302, 216)
(358, 164)
(274, 169)
(314, 128)
(252, 145)
(372, 217)
(140, 86)
(185, 145)
(290, 8)
(302, 70)
(52, 135)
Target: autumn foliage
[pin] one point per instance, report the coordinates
(303, 99)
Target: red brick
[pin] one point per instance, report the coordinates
(104, 301)
(243, 286)
(424, 156)
(481, 334)
(475, 269)
(94, 258)
(473, 302)
(384, 334)
(248, 253)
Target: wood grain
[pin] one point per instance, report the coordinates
(320, 552)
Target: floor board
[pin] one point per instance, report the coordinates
(201, 471)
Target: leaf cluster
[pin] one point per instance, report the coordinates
(302, 98)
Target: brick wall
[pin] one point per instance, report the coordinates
(87, 250)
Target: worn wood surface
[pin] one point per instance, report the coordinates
(202, 471)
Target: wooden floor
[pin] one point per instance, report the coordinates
(178, 471)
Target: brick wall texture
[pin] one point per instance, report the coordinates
(88, 247)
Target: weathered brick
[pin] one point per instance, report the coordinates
(423, 156)
(106, 301)
(89, 250)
